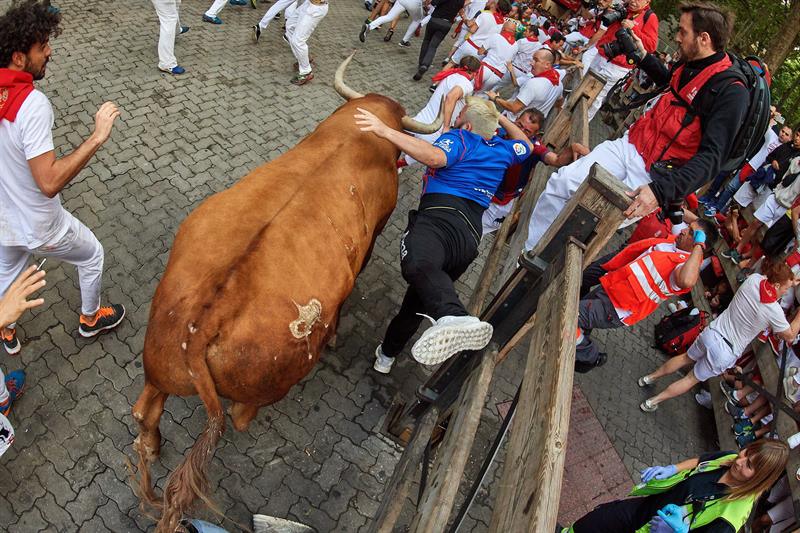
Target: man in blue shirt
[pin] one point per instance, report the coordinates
(465, 167)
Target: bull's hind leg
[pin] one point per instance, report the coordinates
(242, 414)
(147, 412)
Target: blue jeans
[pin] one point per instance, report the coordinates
(727, 193)
(715, 186)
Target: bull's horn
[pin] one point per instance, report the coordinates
(415, 126)
(338, 81)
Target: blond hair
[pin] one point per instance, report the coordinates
(482, 115)
(768, 459)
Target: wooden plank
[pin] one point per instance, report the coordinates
(451, 458)
(534, 466)
(557, 134)
(579, 132)
(404, 473)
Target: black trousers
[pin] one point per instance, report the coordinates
(435, 31)
(621, 516)
(436, 249)
(777, 237)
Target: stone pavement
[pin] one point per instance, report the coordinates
(318, 455)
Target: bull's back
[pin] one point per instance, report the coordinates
(257, 273)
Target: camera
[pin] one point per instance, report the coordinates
(624, 44)
(611, 16)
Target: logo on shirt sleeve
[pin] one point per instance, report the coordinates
(520, 149)
(444, 144)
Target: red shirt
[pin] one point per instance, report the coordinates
(648, 33)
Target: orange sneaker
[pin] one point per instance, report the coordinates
(106, 318)
(10, 341)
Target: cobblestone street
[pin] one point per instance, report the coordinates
(317, 456)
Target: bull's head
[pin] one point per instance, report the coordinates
(409, 123)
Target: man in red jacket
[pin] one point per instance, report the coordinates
(670, 151)
(639, 19)
(636, 281)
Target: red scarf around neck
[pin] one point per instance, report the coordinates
(508, 37)
(768, 292)
(15, 86)
(499, 17)
(551, 75)
(449, 72)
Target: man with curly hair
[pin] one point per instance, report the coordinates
(32, 219)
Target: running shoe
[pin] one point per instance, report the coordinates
(450, 335)
(744, 440)
(743, 426)
(15, 384)
(729, 392)
(256, 33)
(582, 367)
(254, 4)
(106, 318)
(212, 20)
(420, 72)
(10, 341)
(302, 79)
(647, 406)
(238, 2)
(388, 36)
(383, 363)
(710, 211)
(735, 411)
(362, 35)
(404, 44)
(644, 381)
(183, 30)
(732, 254)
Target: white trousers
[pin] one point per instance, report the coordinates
(3, 389)
(576, 38)
(619, 157)
(273, 11)
(587, 58)
(299, 27)
(413, 27)
(747, 195)
(490, 81)
(215, 8)
(494, 215)
(167, 11)
(78, 247)
(461, 37)
(612, 73)
(465, 49)
(414, 8)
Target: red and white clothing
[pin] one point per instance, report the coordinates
(642, 276)
(540, 92)
(500, 49)
(526, 47)
(614, 68)
(471, 10)
(300, 24)
(414, 9)
(488, 24)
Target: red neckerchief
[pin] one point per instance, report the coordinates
(15, 86)
(768, 292)
(533, 39)
(450, 71)
(551, 75)
(508, 37)
(499, 17)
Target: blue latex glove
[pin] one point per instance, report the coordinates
(658, 472)
(670, 519)
(699, 236)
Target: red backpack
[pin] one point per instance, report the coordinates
(676, 332)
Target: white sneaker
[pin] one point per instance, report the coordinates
(704, 398)
(383, 363)
(647, 406)
(644, 381)
(450, 335)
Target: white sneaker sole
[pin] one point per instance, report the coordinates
(646, 408)
(643, 382)
(89, 334)
(439, 343)
(383, 369)
(15, 350)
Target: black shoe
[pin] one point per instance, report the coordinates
(10, 341)
(256, 33)
(420, 72)
(285, 38)
(362, 35)
(584, 367)
(388, 36)
(404, 44)
(432, 88)
(106, 318)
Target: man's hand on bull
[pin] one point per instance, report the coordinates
(104, 121)
(366, 121)
(644, 202)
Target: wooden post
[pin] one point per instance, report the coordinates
(451, 458)
(404, 473)
(531, 484)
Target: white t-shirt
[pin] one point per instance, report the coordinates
(771, 141)
(498, 51)
(538, 93)
(474, 7)
(27, 217)
(431, 110)
(746, 316)
(524, 56)
(487, 26)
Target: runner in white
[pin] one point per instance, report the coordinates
(271, 13)
(499, 49)
(469, 12)
(541, 91)
(521, 62)
(299, 27)
(211, 15)
(170, 25)
(414, 9)
(482, 26)
(454, 86)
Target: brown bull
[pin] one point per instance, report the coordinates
(255, 280)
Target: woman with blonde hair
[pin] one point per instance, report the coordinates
(714, 493)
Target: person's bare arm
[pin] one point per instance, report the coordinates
(794, 326)
(455, 94)
(514, 132)
(687, 274)
(471, 25)
(688, 464)
(515, 107)
(513, 74)
(52, 175)
(566, 156)
(422, 151)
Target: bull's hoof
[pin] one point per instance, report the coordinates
(242, 414)
(148, 451)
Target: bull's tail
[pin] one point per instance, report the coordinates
(189, 481)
